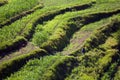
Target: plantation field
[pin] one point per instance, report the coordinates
(59, 39)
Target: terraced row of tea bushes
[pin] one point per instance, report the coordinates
(25, 26)
(15, 7)
(3, 2)
(48, 67)
(99, 59)
(14, 64)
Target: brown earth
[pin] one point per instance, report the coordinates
(24, 50)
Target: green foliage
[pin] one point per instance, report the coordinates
(15, 63)
(105, 1)
(100, 60)
(111, 71)
(60, 37)
(41, 69)
(15, 7)
(117, 77)
(35, 68)
(49, 3)
(10, 45)
(60, 69)
(93, 64)
(106, 60)
(102, 46)
(56, 41)
(25, 26)
(117, 36)
(101, 34)
(40, 37)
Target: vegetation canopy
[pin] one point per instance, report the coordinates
(59, 39)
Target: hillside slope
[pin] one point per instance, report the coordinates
(44, 40)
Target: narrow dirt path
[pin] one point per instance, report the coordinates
(76, 42)
(24, 50)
